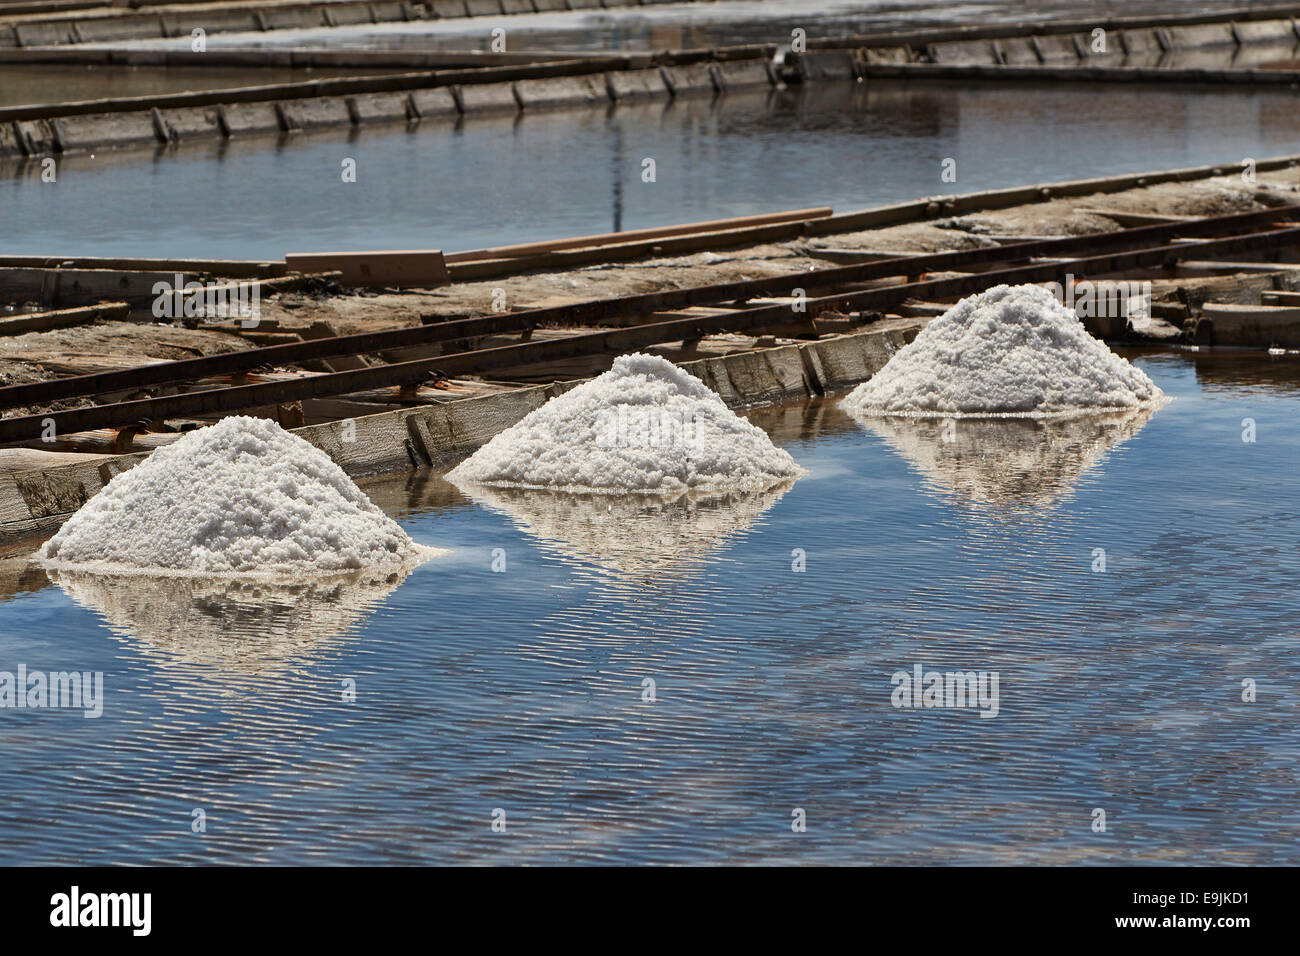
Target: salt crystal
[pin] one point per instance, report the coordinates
(644, 426)
(1013, 350)
(241, 496)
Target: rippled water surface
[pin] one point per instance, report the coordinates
(523, 690)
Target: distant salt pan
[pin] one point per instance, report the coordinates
(241, 496)
(643, 426)
(1013, 350)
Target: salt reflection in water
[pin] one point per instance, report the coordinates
(231, 627)
(632, 535)
(1006, 464)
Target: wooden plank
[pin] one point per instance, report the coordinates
(1253, 326)
(62, 318)
(1055, 27)
(1216, 267)
(563, 259)
(985, 200)
(1080, 74)
(425, 269)
(80, 286)
(342, 86)
(32, 459)
(633, 235)
(88, 286)
(226, 268)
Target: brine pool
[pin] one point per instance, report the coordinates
(612, 682)
(464, 185)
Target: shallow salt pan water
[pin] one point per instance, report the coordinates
(521, 689)
(462, 185)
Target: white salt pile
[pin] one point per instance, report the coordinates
(241, 496)
(643, 426)
(1013, 350)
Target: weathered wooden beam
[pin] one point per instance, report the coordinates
(22, 323)
(310, 89)
(1257, 326)
(634, 235)
(224, 268)
(1217, 268)
(1054, 27)
(1080, 74)
(81, 286)
(408, 268)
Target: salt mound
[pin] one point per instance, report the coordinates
(239, 496)
(1013, 350)
(643, 426)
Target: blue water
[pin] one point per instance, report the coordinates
(521, 690)
(492, 180)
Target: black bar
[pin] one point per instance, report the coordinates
(931, 909)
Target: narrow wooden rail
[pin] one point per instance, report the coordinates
(634, 235)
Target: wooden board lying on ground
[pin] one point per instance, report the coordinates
(633, 235)
(21, 323)
(1234, 324)
(409, 268)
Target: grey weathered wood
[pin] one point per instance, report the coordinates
(62, 318)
